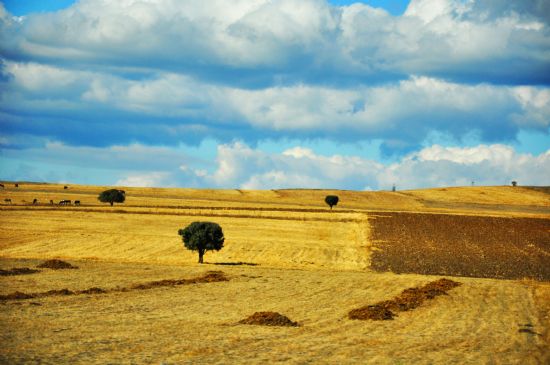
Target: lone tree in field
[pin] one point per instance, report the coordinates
(202, 237)
(331, 200)
(514, 183)
(112, 196)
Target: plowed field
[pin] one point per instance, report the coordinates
(477, 246)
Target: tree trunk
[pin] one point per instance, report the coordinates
(201, 254)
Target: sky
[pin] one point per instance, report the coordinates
(271, 94)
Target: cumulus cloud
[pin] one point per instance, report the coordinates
(295, 41)
(242, 166)
(101, 109)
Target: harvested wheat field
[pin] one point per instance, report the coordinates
(462, 271)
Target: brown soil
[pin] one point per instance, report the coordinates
(93, 290)
(209, 277)
(56, 265)
(408, 299)
(18, 271)
(441, 244)
(17, 296)
(269, 319)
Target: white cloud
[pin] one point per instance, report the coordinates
(284, 36)
(153, 179)
(239, 165)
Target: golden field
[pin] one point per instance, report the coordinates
(312, 264)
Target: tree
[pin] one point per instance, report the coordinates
(514, 183)
(202, 237)
(331, 200)
(112, 196)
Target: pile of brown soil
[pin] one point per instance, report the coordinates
(94, 290)
(408, 299)
(56, 265)
(17, 295)
(269, 319)
(50, 293)
(209, 277)
(18, 271)
(458, 245)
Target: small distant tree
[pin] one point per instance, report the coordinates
(112, 196)
(202, 237)
(331, 200)
(514, 183)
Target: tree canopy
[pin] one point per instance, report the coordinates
(331, 200)
(202, 237)
(112, 196)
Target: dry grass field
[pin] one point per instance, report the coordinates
(285, 252)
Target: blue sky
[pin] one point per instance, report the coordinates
(273, 94)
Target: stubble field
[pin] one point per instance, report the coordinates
(285, 252)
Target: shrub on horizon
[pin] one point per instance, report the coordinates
(331, 200)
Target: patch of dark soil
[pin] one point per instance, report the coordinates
(93, 290)
(409, 299)
(50, 293)
(209, 277)
(269, 319)
(375, 312)
(18, 271)
(457, 245)
(17, 296)
(56, 265)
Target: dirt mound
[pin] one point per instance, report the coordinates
(458, 245)
(269, 319)
(57, 292)
(209, 277)
(409, 299)
(56, 265)
(94, 290)
(17, 295)
(18, 271)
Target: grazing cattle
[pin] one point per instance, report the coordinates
(2, 186)
(65, 187)
(77, 202)
(65, 202)
(35, 201)
(7, 200)
(51, 202)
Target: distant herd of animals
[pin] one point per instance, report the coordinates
(35, 201)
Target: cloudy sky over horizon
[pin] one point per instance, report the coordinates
(262, 94)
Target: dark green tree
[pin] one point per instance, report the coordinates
(331, 200)
(112, 196)
(202, 237)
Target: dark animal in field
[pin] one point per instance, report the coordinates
(7, 200)
(16, 185)
(2, 186)
(65, 202)
(51, 202)
(77, 202)
(65, 187)
(35, 201)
